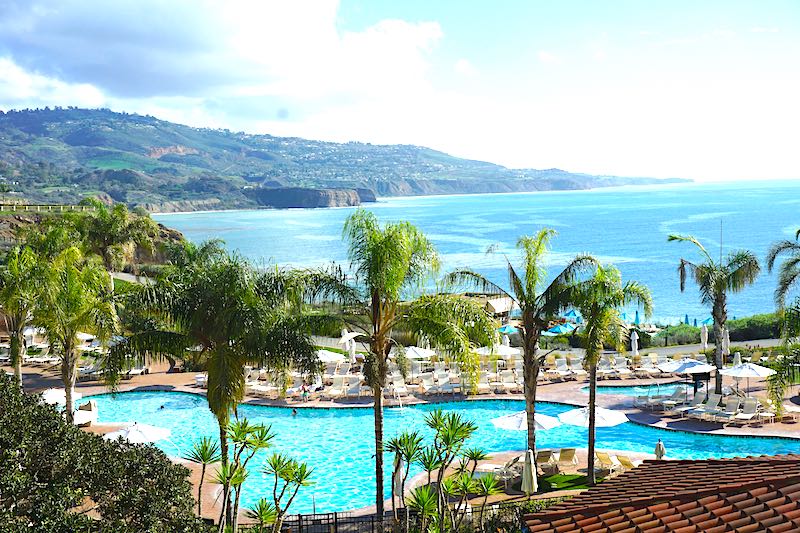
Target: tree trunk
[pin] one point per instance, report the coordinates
(68, 364)
(377, 392)
(200, 491)
(592, 399)
(223, 447)
(16, 350)
(530, 375)
(720, 318)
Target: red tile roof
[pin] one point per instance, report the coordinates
(715, 495)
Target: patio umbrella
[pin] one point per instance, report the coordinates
(634, 342)
(572, 314)
(627, 318)
(686, 319)
(704, 336)
(563, 329)
(415, 352)
(519, 421)
(139, 433)
(59, 396)
(726, 342)
(747, 370)
(529, 482)
(636, 318)
(506, 340)
(351, 351)
(348, 337)
(327, 356)
(508, 329)
(603, 418)
(708, 321)
(660, 451)
(686, 366)
(737, 358)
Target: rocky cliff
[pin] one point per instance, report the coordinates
(209, 204)
(288, 197)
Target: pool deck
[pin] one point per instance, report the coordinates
(566, 392)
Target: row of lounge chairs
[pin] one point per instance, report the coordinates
(715, 408)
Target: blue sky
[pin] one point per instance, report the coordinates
(705, 90)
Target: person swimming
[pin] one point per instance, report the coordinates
(294, 412)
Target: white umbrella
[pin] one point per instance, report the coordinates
(139, 433)
(506, 340)
(529, 481)
(327, 356)
(747, 370)
(634, 342)
(59, 396)
(686, 366)
(519, 421)
(737, 358)
(602, 417)
(351, 350)
(704, 337)
(498, 349)
(84, 336)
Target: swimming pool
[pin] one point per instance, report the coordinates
(639, 390)
(339, 443)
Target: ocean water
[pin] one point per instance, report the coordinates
(339, 443)
(624, 226)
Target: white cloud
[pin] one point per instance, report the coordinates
(465, 68)
(548, 57)
(19, 88)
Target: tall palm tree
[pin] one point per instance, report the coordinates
(233, 315)
(539, 302)
(716, 279)
(789, 269)
(110, 231)
(390, 262)
(599, 302)
(21, 279)
(74, 298)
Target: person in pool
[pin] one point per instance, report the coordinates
(294, 412)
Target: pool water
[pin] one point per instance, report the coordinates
(339, 443)
(646, 390)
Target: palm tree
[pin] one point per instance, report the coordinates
(789, 269)
(74, 298)
(204, 452)
(539, 302)
(232, 315)
(715, 279)
(390, 261)
(20, 281)
(110, 232)
(600, 300)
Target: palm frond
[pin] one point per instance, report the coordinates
(693, 240)
(742, 270)
(471, 280)
(780, 248)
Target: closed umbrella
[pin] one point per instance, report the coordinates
(351, 350)
(747, 370)
(602, 417)
(704, 336)
(737, 358)
(529, 482)
(59, 396)
(506, 341)
(636, 318)
(660, 451)
(726, 342)
(634, 342)
(139, 434)
(519, 422)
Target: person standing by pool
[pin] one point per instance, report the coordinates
(304, 392)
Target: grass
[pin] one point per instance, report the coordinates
(563, 482)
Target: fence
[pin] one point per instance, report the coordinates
(47, 208)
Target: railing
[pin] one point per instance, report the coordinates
(46, 208)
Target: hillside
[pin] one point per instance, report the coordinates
(62, 155)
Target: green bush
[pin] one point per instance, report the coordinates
(680, 334)
(766, 326)
(50, 471)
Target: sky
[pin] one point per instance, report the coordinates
(677, 88)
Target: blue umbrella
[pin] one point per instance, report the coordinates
(562, 329)
(636, 318)
(708, 321)
(508, 329)
(695, 322)
(627, 318)
(571, 314)
(686, 319)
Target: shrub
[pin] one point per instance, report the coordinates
(766, 326)
(56, 477)
(680, 334)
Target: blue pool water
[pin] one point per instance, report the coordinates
(627, 227)
(339, 443)
(647, 390)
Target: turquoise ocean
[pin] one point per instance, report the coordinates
(626, 226)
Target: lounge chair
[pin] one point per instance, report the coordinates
(728, 413)
(398, 387)
(567, 457)
(547, 462)
(201, 380)
(446, 384)
(137, 371)
(605, 370)
(699, 396)
(626, 462)
(329, 372)
(267, 390)
(508, 382)
(85, 415)
(605, 463)
(621, 367)
(427, 384)
(707, 407)
(507, 472)
(748, 413)
(647, 369)
(563, 369)
(483, 386)
(343, 369)
(576, 367)
(676, 398)
(337, 389)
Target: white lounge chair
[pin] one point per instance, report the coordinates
(483, 386)
(399, 387)
(201, 380)
(508, 382)
(576, 366)
(337, 389)
(707, 407)
(563, 369)
(699, 396)
(85, 415)
(728, 413)
(621, 367)
(427, 384)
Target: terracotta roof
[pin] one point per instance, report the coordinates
(715, 495)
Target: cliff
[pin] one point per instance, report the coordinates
(299, 197)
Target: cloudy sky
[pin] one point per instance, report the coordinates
(705, 90)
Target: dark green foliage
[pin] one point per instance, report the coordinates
(680, 334)
(766, 326)
(49, 470)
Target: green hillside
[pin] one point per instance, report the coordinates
(62, 155)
